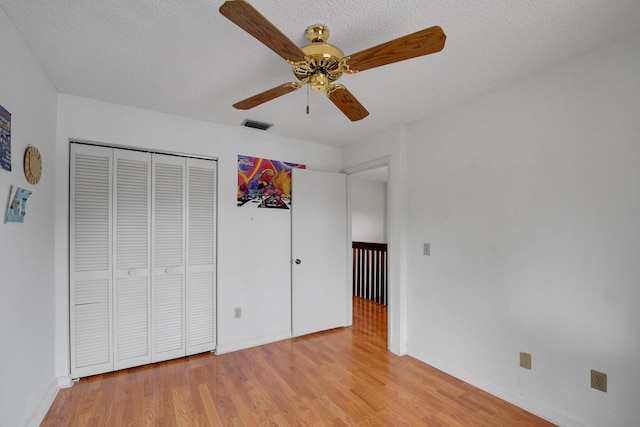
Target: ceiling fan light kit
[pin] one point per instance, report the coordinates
(320, 64)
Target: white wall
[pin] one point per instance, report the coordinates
(530, 198)
(253, 245)
(26, 250)
(368, 200)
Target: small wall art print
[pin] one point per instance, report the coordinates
(264, 183)
(5, 139)
(18, 204)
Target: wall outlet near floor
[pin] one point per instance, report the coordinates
(525, 360)
(426, 249)
(599, 380)
(237, 312)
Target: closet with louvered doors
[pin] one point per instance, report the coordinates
(142, 254)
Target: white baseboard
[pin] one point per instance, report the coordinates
(254, 342)
(44, 405)
(400, 350)
(540, 410)
(65, 382)
(47, 400)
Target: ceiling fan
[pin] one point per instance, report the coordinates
(319, 64)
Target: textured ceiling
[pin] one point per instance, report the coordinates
(184, 58)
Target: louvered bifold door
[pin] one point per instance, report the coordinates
(90, 260)
(168, 257)
(201, 256)
(132, 272)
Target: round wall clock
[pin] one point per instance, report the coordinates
(32, 165)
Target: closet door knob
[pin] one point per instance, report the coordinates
(167, 270)
(132, 272)
(298, 261)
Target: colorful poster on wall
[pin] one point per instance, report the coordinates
(18, 204)
(264, 183)
(5, 139)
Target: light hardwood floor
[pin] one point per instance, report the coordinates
(341, 377)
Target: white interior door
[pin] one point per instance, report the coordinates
(319, 247)
(90, 260)
(132, 273)
(168, 257)
(142, 258)
(201, 256)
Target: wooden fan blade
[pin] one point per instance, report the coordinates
(249, 19)
(429, 40)
(267, 95)
(347, 103)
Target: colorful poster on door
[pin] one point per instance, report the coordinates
(264, 183)
(5, 139)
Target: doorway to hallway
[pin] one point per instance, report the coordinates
(368, 218)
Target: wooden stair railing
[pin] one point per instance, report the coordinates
(370, 271)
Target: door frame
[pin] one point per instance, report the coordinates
(392, 304)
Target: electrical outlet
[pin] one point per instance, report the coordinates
(599, 380)
(426, 249)
(525, 360)
(237, 312)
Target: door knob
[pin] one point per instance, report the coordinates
(298, 261)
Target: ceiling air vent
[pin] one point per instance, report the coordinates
(256, 125)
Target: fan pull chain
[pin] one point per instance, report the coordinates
(307, 99)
